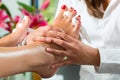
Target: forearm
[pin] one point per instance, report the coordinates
(16, 60)
(8, 41)
(20, 59)
(12, 63)
(92, 55)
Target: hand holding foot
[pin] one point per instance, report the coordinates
(18, 34)
(61, 22)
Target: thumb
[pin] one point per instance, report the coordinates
(21, 29)
(22, 26)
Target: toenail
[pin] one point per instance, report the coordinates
(71, 7)
(63, 7)
(79, 16)
(75, 11)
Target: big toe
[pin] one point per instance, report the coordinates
(62, 10)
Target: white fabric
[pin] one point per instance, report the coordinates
(104, 34)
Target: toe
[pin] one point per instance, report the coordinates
(78, 18)
(63, 9)
(73, 13)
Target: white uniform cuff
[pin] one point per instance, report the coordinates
(109, 61)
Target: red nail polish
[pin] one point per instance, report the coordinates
(71, 7)
(75, 11)
(63, 7)
(79, 16)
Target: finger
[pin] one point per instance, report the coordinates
(49, 28)
(22, 26)
(58, 30)
(58, 52)
(65, 37)
(59, 42)
(52, 34)
(61, 63)
(53, 28)
(39, 38)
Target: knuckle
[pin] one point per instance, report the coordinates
(62, 35)
(76, 48)
(62, 43)
(64, 53)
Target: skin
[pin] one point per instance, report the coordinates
(76, 52)
(18, 35)
(16, 60)
(33, 57)
(56, 26)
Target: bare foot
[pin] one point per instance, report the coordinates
(64, 23)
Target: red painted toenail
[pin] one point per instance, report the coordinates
(75, 11)
(63, 7)
(79, 16)
(71, 7)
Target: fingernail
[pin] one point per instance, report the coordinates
(63, 7)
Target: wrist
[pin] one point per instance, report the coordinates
(96, 57)
(7, 41)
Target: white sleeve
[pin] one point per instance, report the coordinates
(110, 61)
